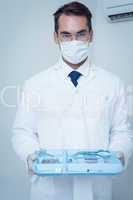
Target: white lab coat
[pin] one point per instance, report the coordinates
(54, 114)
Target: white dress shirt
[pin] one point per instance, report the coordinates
(53, 113)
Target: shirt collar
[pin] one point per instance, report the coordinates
(66, 69)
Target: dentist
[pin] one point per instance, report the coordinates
(73, 104)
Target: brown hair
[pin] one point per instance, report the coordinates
(73, 8)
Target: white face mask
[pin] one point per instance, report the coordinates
(74, 51)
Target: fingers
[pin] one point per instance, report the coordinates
(120, 156)
(31, 158)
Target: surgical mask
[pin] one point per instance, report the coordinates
(74, 51)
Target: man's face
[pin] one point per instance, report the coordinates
(72, 27)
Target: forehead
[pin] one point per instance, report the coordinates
(72, 23)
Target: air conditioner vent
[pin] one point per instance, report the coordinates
(121, 16)
(118, 10)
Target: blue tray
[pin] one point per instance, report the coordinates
(76, 162)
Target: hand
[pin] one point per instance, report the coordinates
(30, 159)
(120, 156)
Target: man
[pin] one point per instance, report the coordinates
(73, 104)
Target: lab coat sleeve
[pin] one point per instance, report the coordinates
(120, 132)
(25, 140)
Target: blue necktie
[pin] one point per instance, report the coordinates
(74, 75)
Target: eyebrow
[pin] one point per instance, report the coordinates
(81, 31)
(65, 32)
(68, 33)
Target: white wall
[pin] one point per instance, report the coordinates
(27, 47)
(114, 45)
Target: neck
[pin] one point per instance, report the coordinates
(74, 66)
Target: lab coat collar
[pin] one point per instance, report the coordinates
(66, 69)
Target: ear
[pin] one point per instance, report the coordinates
(91, 35)
(56, 38)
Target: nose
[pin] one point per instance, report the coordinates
(74, 37)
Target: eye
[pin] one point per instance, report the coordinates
(83, 34)
(66, 36)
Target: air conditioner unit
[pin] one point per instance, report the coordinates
(118, 10)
